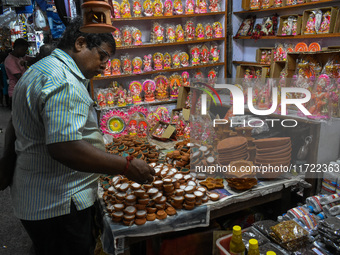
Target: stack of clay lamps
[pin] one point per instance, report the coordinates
(232, 149)
(129, 202)
(134, 146)
(242, 175)
(274, 151)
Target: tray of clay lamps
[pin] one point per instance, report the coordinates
(133, 146)
(130, 203)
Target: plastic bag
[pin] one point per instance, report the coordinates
(40, 21)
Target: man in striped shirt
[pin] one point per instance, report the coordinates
(59, 149)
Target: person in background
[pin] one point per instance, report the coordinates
(15, 65)
(56, 149)
(44, 51)
(3, 80)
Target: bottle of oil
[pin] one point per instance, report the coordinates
(237, 246)
(253, 247)
(270, 253)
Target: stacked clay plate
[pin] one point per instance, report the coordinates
(232, 149)
(274, 151)
(242, 175)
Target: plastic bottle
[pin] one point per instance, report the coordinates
(237, 246)
(270, 253)
(298, 212)
(330, 199)
(314, 202)
(332, 211)
(253, 247)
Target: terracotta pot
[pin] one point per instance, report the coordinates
(271, 142)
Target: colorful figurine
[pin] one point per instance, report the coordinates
(212, 76)
(255, 4)
(184, 59)
(101, 99)
(214, 53)
(175, 83)
(190, 30)
(158, 61)
(148, 8)
(179, 33)
(195, 56)
(107, 71)
(325, 24)
(127, 65)
(147, 62)
(205, 56)
(217, 30)
(167, 61)
(162, 85)
(199, 31)
(132, 128)
(178, 7)
(137, 37)
(171, 34)
(118, 37)
(137, 8)
(127, 36)
(116, 9)
(136, 89)
(208, 31)
(168, 8)
(176, 60)
(142, 129)
(214, 6)
(115, 66)
(125, 9)
(137, 65)
(158, 33)
(190, 7)
(122, 98)
(158, 8)
(310, 26)
(186, 77)
(201, 6)
(149, 88)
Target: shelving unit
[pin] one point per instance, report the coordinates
(170, 17)
(244, 48)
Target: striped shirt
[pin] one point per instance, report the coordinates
(51, 104)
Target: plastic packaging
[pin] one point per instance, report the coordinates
(329, 181)
(314, 202)
(253, 247)
(331, 210)
(329, 199)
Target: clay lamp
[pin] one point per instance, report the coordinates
(144, 201)
(140, 214)
(168, 188)
(140, 207)
(130, 198)
(214, 196)
(157, 197)
(130, 210)
(178, 176)
(160, 206)
(189, 189)
(117, 216)
(189, 197)
(147, 186)
(188, 207)
(190, 202)
(167, 181)
(152, 191)
(179, 192)
(119, 207)
(198, 202)
(176, 205)
(198, 194)
(135, 186)
(111, 190)
(191, 183)
(129, 217)
(178, 199)
(151, 210)
(171, 211)
(150, 216)
(201, 176)
(182, 186)
(162, 200)
(161, 215)
(152, 164)
(139, 193)
(140, 221)
(120, 196)
(164, 173)
(124, 187)
(158, 184)
(202, 189)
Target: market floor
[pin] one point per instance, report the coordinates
(13, 238)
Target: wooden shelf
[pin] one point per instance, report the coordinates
(151, 45)
(170, 17)
(309, 4)
(249, 63)
(291, 37)
(157, 71)
(169, 101)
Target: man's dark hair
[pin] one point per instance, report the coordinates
(20, 42)
(72, 32)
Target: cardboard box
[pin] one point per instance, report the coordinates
(240, 71)
(182, 97)
(259, 54)
(168, 132)
(283, 18)
(333, 22)
(276, 69)
(173, 112)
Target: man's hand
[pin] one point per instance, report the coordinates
(139, 171)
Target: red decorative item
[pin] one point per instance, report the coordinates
(314, 47)
(301, 47)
